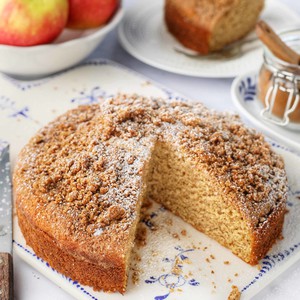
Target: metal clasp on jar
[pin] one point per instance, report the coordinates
(287, 84)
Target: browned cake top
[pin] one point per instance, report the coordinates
(83, 172)
(203, 11)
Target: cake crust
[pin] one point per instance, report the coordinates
(109, 279)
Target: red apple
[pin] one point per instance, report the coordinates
(31, 22)
(84, 14)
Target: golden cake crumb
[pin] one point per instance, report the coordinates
(214, 285)
(169, 221)
(175, 235)
(141, 236)
(235, 293)
(135, 277)
(183, 232)
(176, 269)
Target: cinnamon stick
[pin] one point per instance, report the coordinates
(281, 50)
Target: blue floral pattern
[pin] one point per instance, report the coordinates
(13, 111)
(247, 88)
(279, 146)
(93, 96)
(173, 96)
(27, 85)
(293, 193)
(269, 262)
(174, 278)
(148, 221)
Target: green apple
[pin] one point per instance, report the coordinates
(31, 22)
(84, 14)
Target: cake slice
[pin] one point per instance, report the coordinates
(79, 189)
(210, 25)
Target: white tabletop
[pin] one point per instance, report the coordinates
(215, 93)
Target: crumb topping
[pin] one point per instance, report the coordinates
(86, 168)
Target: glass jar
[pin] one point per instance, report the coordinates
(279, 84)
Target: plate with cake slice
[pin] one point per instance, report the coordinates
(209, 39)
(144, 192)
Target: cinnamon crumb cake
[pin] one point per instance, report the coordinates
(210, 25)
(80, 181)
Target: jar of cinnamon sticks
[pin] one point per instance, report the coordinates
(279, 76)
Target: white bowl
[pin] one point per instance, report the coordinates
(67, 50)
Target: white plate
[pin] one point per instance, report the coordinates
(243, 91)
(26, 106)
(144, 35)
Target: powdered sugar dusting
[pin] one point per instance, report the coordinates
(98, 232)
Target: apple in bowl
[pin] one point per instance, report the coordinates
(85, 14)
(44, 57)
(31, 22)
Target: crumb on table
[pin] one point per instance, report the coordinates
(235, 293)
